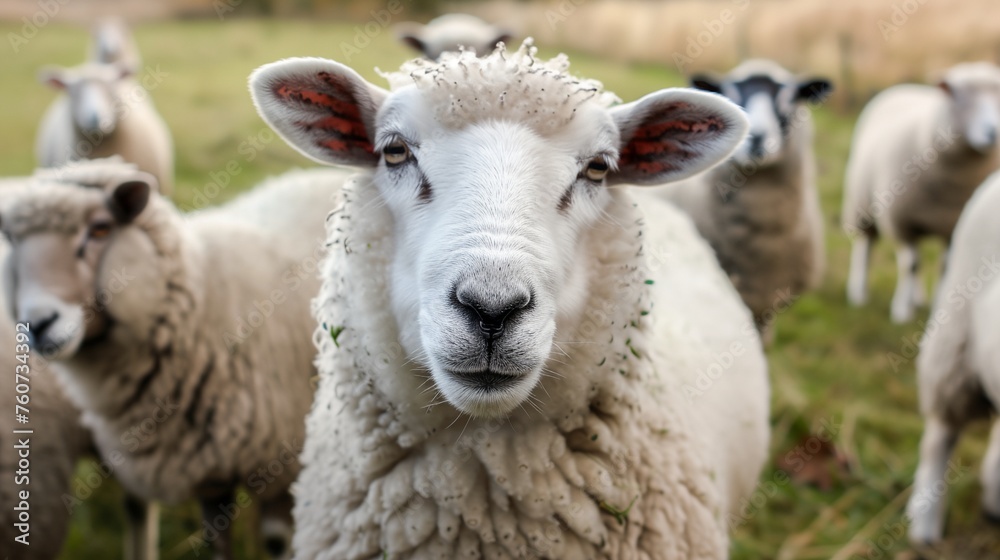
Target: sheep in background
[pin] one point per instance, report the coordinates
(450, 33)
(958, 368)
(918, 154)
(60, 440)
(760, 209)
(112, 43)
(104, 112)
(58, 443)
(505, 343)
(201, 323)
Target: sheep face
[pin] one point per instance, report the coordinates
(63, 239)
(771, 96)
(491, 199)
(93, 96)
(973, 91)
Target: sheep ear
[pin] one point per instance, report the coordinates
(52, 76)
(706, 82)
(813, 90)
(503, 37)
(675, 133)
(321, 108)
(129, 198)
(410, 33)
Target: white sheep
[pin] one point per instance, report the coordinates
(452, 32)
(104, 112)
(517, 360)
(917, 155)
(53, 450)
(185, 341)
(958, 368)
(57, 444)
(112, 43)
(760, 209)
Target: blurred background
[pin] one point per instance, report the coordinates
(845, 418)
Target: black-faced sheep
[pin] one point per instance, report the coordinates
(760, 209)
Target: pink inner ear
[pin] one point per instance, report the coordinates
(340, 129)
(657, 146)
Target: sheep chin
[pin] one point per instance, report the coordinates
(486, 403)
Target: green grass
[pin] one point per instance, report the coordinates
(829, 363)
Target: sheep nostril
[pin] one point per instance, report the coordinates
(38, 327)
(492, 312)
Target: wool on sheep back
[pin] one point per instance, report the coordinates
(635, 441)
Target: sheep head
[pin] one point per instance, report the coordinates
(95, 99)
(493, 169)
(973, 92)
(771, 97)
(69, 238)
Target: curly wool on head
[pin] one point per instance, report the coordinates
(56, 208)
(464, 89)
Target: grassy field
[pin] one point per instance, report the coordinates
(830, 365)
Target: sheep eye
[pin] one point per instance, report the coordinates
(396, 153)
(99, 230)
(597, 170)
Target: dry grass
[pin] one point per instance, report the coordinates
(883, 43)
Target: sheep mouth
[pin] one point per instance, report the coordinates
(486, 380)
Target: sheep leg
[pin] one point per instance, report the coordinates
(217, 511)
(276, 526)
(927, 502)
(142, 531)
(857, 280)
(902, 300)
(990, 476)
(944, 268)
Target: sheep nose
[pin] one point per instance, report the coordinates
(757, 145)
(37, 328)
(492, 310)
(991, 137)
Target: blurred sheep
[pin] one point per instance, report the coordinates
(760, 209)
(59, 441)
(200, 322)
(112, 43)
(918, 154)
(958, 368)
(104, 112)
(451, 32)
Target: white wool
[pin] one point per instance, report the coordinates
(465, 89)
(229, 392)
(957, 368)
(912, 169)
(390, 472)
